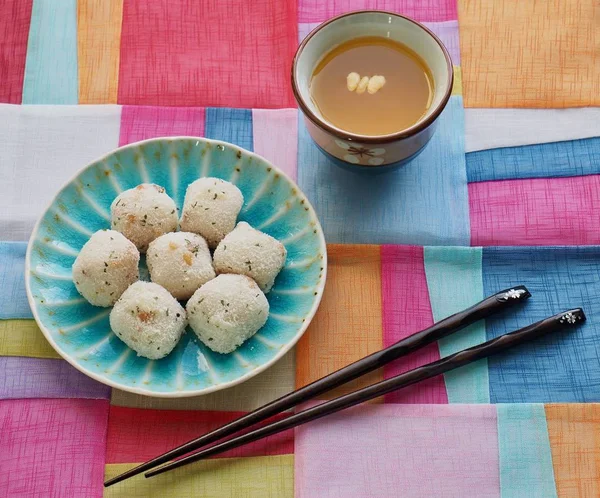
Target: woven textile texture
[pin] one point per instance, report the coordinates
(506, 193)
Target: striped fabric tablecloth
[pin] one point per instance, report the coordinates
(507, 192)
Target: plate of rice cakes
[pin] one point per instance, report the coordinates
(175, 267)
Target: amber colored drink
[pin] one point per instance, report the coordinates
(397, 105)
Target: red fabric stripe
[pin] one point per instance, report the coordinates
(136, 435)
(15, 16)
(406, 310)
(224, 53)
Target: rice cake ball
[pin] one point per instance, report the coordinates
(106, 265)
(227, 311)
(211, 208)
(180, 262)
(250, 252)
(143, 213)
(148, 319)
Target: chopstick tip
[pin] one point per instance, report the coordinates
(114, 480)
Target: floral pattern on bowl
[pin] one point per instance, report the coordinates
(362, 155)
(81, 332)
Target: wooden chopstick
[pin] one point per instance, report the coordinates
(561, 321)
(493, 304)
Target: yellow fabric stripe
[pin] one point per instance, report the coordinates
(260, 477)
(24, 338)
(98, 50)
(457, 88)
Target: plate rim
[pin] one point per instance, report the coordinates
(191, 393)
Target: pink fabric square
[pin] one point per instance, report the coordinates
(15, 16)
(420, 10)
(275, 135)
(53, 447)
(540, 211)
(222, 53)
(410, 451)
(406, 310)
(142, 122)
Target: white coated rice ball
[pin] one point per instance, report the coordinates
(106, 265)
(227, 311)
(148, 319)
(211, 208)
(143, 213)
(180, 262)
(250, 252)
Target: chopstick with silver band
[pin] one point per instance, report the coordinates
(561, 321)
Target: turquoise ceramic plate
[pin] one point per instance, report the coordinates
(81, 332)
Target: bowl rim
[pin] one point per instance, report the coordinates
(178, 394)
(371, 139)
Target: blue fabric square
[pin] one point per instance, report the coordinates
(454, 283)
(424, 202)
(51, 64)
(524, 452)
(569, 158)
(13, 298)
(562, 367)
(230, 125)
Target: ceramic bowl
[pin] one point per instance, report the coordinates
(369, 153)
(81, 333)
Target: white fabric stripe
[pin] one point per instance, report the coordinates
(494, 128)
(42, 147)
